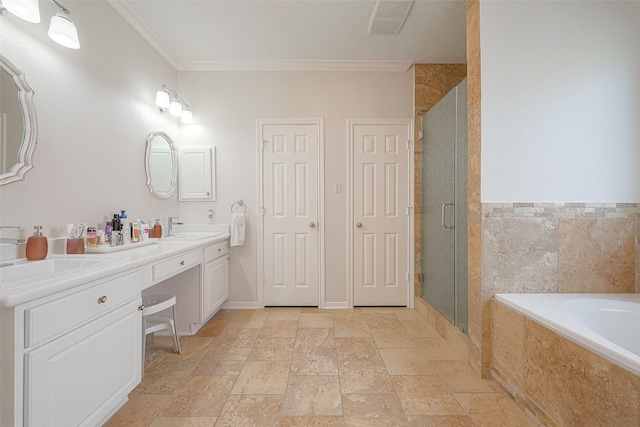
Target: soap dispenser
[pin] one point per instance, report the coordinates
(37, 245)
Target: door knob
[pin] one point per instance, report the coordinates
(358, 225)
(312, 225)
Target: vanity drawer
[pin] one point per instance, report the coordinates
(176, 265)
(215, 251)
(52, 318)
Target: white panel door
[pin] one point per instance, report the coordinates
(290, 214)
(380, 214)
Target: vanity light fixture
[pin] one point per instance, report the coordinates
(168, 100)
(61, 29)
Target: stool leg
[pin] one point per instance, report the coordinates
(144, 344)
(176, 342)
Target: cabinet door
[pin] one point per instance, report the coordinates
(81, 377)
(215, 286)
(196, 171)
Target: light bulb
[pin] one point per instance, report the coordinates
(187, 117)
(24, 9)
(162, 99)
(62, 31)
(175, 108)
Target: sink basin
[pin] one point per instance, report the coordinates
(193, 235)
(23, 272)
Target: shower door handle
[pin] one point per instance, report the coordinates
(444, 207)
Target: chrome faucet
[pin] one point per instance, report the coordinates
(8, 239)
(171, 224)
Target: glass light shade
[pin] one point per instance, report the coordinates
(175, 109)
(187, 117)
(25, 9)
(162, 99)
(63, 32)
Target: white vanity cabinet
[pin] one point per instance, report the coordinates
(215, 283)
(81, 352)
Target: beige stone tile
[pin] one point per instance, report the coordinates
(283, 314)
(314, 361)
(248, 319)
(493, 410)
(436, 348)
(507, 344)
(223, 361)
(369, 410)
(211, 329)
(315, 337)
(597, 255)
(139, 410)
(315, 310)
(184, 422)
(200, 396)
(347, 315)
(364, 376)
(457, 340)
(392, 338)
(382, 321)
(520, 255)
(324, 421)
(405, 361)
(575, 386)
(262, 377)
(315, 320)
(192, 349)
(425, 395)
(251, 410)
(156, 348)
(419, 328)
(354, 328)
(232, 337)
(164, 378)
(279, 328)
(359, 348)
(313, 395)
(440, 421)
(272, 349)
(407, 314)
(459, 377)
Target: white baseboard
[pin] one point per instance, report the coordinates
(336, 305)
(249, 305)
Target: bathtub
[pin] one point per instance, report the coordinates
(607, 324)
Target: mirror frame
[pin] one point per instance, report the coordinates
(174, 163)
(29, 138)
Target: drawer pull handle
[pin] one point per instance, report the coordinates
(102, 299)
(181, 262)
(141, 307)
(219, 249)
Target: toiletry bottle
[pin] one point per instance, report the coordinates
(145, 231)
(108, 229)
(135, 232)
(157, 229)
(117, 226)
(126, 234)
(37, 245)
(92, 237)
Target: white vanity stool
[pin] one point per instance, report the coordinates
(154, 304)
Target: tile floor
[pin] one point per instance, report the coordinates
(310, 367)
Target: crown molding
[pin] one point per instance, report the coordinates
(295, 65)
(132, 17)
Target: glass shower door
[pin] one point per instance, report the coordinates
(444, 206)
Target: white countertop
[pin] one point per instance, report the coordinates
(114, 263)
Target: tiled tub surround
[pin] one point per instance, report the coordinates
(550, 248)
(559, 382)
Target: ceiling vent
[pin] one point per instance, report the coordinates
(389, 16)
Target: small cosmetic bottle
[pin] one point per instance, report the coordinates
(92, 237)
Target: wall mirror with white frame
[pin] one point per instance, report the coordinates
(18, 124)
(161, 165)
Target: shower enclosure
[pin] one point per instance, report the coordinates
(444, 206)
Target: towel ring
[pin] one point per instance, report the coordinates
(241, 205)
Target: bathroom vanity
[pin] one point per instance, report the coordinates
(70, 326)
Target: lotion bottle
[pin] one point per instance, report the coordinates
(37, 245)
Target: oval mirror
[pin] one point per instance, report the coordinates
(18, 126)
(161, 164)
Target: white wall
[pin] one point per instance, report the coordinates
(95, 108)
(225, 107)
(560, 101)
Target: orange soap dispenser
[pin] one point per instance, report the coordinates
(37, 245)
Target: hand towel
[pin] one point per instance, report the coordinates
(237, 229)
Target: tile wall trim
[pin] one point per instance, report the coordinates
(560, 210)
